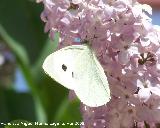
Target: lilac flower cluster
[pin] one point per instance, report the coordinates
(127, 45)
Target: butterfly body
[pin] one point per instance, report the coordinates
(77, 68)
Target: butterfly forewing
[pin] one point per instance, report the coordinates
(60, 64)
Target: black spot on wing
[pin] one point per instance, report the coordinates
(72, 75)
(64, 67)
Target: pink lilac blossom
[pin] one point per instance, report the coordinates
(127, 45)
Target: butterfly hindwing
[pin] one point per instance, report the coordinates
(92, 87)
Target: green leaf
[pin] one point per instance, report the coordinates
(21, 20)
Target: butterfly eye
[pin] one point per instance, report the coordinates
(64, 67)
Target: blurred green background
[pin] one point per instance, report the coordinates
(26, 92)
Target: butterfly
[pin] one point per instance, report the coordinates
(77, 68)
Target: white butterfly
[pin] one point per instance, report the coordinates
(77, 68)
